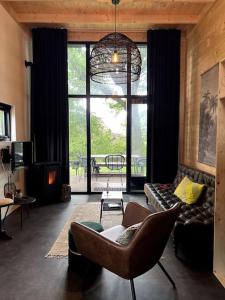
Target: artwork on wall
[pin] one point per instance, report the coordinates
(208, 116)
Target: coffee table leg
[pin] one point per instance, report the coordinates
(102, 200)
(122, 206)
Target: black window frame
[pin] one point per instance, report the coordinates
(7, 121)
(129, 98)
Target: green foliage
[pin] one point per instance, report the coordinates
(77, 70)
(103, 141)
(117, 105)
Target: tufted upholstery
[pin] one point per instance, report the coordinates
(194, 220)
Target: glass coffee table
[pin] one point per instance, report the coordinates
(112, 198)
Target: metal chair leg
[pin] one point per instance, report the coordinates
(167, 275)
(107, 185)
(3, 221)
(101, 210)
(132, 289)
(121, 177)
(3, 233)
(122, 206)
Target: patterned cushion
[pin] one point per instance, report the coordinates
(127, 234)
(188, 191)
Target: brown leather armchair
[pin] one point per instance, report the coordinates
(142, 252)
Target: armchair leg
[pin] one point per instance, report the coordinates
(175, 242)
(132, 289)
(167, 274)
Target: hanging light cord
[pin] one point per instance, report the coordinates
(115, 17)
(115, 26)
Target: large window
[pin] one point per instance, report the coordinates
(77, 70)
(139, 87)
(5, 128)
(99, 124)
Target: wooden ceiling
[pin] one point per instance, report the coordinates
(98, 15)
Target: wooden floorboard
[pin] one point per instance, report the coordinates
(25, 273)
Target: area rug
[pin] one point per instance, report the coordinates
(83, 212)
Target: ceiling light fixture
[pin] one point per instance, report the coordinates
(115, 59)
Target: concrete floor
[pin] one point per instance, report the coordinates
(25, 273)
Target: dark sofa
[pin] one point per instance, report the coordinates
(193, 230)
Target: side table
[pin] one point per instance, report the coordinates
(4, 202)
(24, 201)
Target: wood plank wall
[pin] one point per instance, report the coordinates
(94, 36)
(205, 48)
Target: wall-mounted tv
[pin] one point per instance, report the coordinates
(21, 154)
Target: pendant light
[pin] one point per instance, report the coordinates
(115, 59)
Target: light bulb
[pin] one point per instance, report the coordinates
(115, 57)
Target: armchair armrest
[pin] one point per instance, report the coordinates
(99, 249)
(134, 213)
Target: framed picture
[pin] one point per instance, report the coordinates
(208, 116)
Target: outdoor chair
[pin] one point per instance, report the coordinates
(140, 166)
(141, 253)
(115, 162)
(75, 165)
(83, 163)
(94, 167)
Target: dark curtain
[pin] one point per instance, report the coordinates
(163, 83)
(49, 103)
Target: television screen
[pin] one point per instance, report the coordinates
(22, 154)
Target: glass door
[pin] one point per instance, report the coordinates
(78, 144)
(107, 127)
(138, 144)
(108, 143)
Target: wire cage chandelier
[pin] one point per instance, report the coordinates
(115, 59)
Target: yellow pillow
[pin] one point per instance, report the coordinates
(188, 191)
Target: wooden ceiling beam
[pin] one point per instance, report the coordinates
(95, 36)
(30, 0)
(180, 1)
(81, 18)
(125, 1)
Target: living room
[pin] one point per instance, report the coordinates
(49, 101)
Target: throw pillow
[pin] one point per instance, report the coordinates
(188, 191)
(127, 234)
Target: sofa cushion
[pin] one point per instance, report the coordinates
(193, 214)
(188, 191)
(160, 195)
